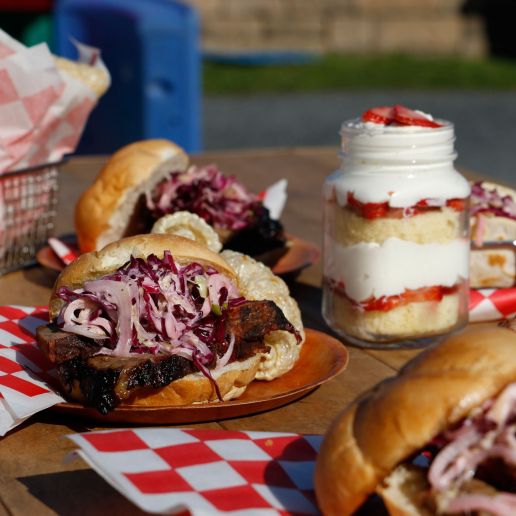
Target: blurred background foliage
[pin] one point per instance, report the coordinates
(344, 72)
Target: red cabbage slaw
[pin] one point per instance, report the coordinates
(487, 435)
(155, 306)
(485, 200)
(220, 200)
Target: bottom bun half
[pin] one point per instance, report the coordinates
(232, 381)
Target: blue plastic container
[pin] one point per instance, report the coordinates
(151, 48)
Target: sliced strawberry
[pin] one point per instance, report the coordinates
(456, 204)
(369, 210)
(379, 115)
(420, 295)
(406, 116)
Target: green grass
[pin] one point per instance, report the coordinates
(337, 72)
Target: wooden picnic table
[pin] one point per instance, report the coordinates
(35, 479)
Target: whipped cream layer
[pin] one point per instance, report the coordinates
(370, 269)
(400, 165)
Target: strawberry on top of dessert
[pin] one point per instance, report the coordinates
(398, 115)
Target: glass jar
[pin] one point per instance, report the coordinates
(396, 236)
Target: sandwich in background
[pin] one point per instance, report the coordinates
(493, 233)
(147, 180)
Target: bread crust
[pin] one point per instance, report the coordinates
(104, 209)
(96, 264)
(232, 381)
(401, 414)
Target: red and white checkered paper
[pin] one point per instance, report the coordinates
(166, 470)
(42, 111)
(25, 373)
(492, 304)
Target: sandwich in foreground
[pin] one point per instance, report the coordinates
(148, 179)
(439, 438)
(493, 231)
(159, 320)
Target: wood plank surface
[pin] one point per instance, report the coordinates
(35, 478)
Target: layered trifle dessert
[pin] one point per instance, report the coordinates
(396, 246)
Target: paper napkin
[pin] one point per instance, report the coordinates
(63, 251)
(43, 111)
(274, 198)
(25, 374)
(166, 470)
(492, 304)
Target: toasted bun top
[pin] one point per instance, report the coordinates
(97, 264)
(104, 210)
(402, 414)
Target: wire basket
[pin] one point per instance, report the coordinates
(28, 200)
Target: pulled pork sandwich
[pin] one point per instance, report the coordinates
(493, 231)
(439, 438)
(146, 180)
(159, 320)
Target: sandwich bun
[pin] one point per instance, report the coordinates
(194, 388)
(399, 416)
(108, 210)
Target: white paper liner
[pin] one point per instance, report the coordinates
(43, 111)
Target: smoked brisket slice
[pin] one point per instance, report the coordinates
(252, 320)
(103, 381)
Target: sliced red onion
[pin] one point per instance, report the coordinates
(488, 200)
(99, 328)
(118, 293)
(222, 201)
(86, 330)
(488, 433)
(217, 282)
(503, 406)
(224, 359)
(500, 505)
(204, 352)
(450, 462)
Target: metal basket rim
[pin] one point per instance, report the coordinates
(33, 169)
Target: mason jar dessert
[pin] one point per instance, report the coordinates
(396, 243)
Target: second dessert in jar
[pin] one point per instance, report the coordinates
(396, 247)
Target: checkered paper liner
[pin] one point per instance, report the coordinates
(43, 111)
(492, 304)
(25, 374)
(205, 472)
